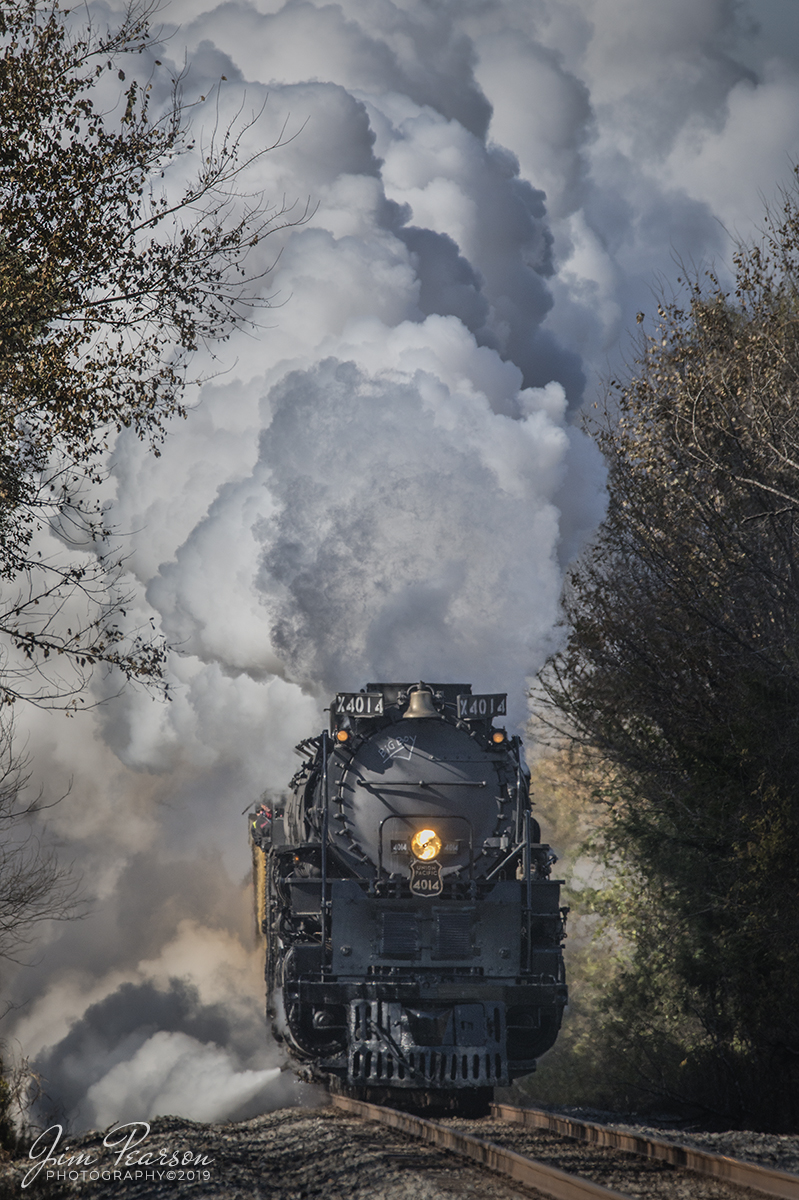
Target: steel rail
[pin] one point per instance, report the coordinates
(549, 1180)
(732, 1170)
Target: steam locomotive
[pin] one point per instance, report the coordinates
(413, 933)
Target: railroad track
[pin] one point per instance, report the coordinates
(647, 1167)
(716, 1166)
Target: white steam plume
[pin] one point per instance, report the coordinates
(385, 481)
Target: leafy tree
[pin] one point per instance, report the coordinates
(111, 277)
(109, 282)
(680, 676)
(581, 1067)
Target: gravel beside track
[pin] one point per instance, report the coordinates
(291, 1154)
(310, 1153)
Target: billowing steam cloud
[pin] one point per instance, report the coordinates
(385, 481)
(171, 1060)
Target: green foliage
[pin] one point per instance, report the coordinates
(680, 675)
(108, 285)
(582, 1068)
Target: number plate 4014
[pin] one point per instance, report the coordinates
(482, 708)
(359, 704)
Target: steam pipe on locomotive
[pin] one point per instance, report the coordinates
(413, 933)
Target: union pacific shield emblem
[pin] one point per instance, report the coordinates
(426, 879)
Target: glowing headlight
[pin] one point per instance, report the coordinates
(426, 844)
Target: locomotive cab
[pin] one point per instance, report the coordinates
(413, 932)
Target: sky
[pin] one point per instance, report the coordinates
(388, 478)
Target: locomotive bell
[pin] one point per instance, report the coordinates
(421, 705)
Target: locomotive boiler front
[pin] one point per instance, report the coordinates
(414, 775)
(413, 934)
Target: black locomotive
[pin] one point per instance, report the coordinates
(413, 935)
